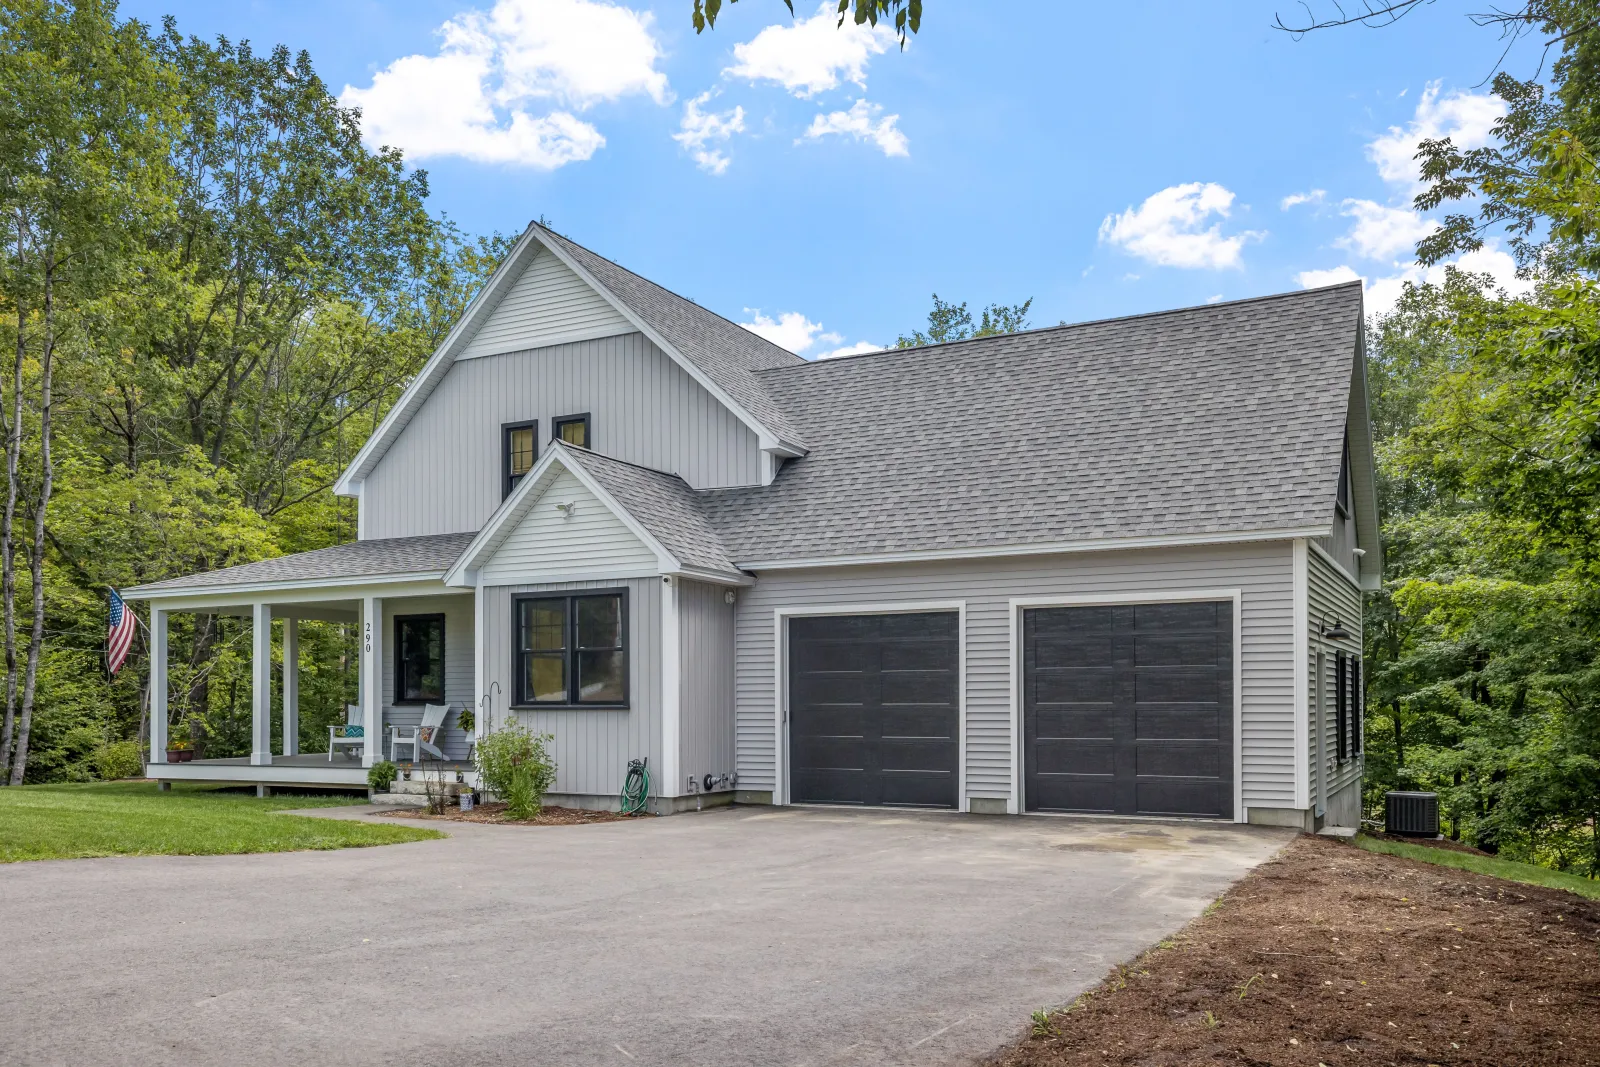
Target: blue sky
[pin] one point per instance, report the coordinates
(821, 184)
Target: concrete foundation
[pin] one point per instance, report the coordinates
(1293, 818)
(1344, 806)
(986, 806)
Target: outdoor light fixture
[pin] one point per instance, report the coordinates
(1334, 632)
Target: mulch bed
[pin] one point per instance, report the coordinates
(1332, 955)
(495, 813)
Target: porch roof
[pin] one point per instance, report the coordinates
(417, 557)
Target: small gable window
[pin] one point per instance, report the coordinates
(419, 659)
(572, 650)
(1343, 500)
(521, 448)
(573, 430)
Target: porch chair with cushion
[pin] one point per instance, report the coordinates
(351, 735)
(423, 737)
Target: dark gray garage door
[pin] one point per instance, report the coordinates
(1128, 710)
(873, 709)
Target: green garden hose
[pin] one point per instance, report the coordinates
(636, 788)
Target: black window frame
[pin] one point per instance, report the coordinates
(520, 699)
(1358, 706)
(507, 479)
(1341, 704)
(588, 429)
(400, 663)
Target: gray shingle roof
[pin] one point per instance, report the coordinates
(665, 505)
(432, 554)
(726, 352)
(1217, 419)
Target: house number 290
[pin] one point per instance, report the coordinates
(366, 638)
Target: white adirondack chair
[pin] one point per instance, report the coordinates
(424, 737)
(351, 736)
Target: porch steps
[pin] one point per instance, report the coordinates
(399, 800)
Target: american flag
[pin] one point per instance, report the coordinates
(120, 637)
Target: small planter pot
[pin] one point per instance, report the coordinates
(175, 755)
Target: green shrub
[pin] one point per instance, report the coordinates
(382, 775)
(119, 759)
(514, 765)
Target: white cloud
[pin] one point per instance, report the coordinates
(476, 97)
(1169, 229)
(698, 128)
(1311, 196)
(1383, 232)
(859, 348)
(795, 332)
(863, 123)
(1382, 293)
(1466, 118)
(812, 55)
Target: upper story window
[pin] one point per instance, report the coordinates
(521, 448)
(573, 429)
(1342, 502)
(419, 659)
(572, 650)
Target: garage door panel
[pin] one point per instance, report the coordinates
(1078, 756)
(1200, 615)
(886, 730)
(1182, 796)
(1178, 760)
(1157, 737)
(1178, 722)
(1081, 722)
(1072, 650)
(1088, 795)
(1088, 685)
(1177, 685)
(916, 687)
(1175, 650)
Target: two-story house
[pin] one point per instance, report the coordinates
(1112, 567)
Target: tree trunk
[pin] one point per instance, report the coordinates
(19, 763)
(1399, 743)
(8, 555)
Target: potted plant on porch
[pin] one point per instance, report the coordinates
(180, 750)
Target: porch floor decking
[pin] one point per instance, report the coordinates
(306, 768)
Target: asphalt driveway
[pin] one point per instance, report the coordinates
(739, 937)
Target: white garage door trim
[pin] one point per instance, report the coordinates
(1014, 802)
(780, 680)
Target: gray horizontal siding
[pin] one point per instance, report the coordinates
(706, 708)
(1341, 543)
(1264, 572)
(444, 474)
(591, 747)
(458, 668)
(1330, 594)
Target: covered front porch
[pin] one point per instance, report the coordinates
(395, 686)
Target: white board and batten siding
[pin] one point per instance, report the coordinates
(706, 703)
(1262, 571)
(548, 541)
(1331, 594)
(445, 471)
(458, 667)
(591, 746)
(547, 305)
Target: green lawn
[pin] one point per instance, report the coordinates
(1491, 865)
(48, 822)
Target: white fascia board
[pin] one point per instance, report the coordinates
(1043, 548)
(768, 440)
(1363, 457)
(443, 356)
(324, 589)
(712, 577)
(528, 492)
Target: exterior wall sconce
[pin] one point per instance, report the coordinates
(1335, 632)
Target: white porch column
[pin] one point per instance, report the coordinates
(372, 679)
(261, 685)
(291, 687)
(158, 685)
(480, 678)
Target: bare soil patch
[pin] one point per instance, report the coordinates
(495, 813)
(1332, 955)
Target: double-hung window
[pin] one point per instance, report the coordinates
(419, 659)
(520, 450)
(572, 651)
(1347, 705)
(573, 430)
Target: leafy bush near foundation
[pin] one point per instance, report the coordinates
(514, 765)
(382, 775)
